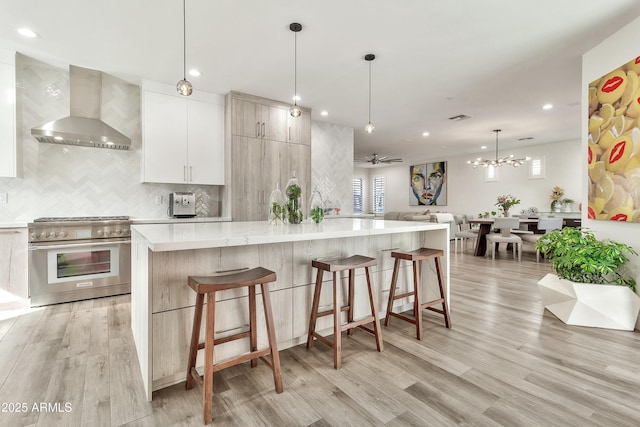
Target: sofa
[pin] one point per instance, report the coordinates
(454, 220)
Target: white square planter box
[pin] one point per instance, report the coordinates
(584, 304)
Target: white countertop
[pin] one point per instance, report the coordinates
(179, 220)
(13, 225)
(175, 237)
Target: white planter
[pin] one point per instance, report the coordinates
(584, 304)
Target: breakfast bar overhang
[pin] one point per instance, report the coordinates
(164, 255)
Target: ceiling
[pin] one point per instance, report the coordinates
(497, 61)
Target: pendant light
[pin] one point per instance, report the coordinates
(498, 161)
(184, 87)
(369, 127)
(295, 110)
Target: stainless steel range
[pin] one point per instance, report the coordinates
(77, 258)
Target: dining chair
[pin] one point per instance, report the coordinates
(505, 236)
(546, 224)
(464, 234)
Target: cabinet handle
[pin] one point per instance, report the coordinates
(257, 129)
(246, 325)
(191, 173)
(232, 270)
(289, 138)
(184, 173)
(390, 249)
(263, 129)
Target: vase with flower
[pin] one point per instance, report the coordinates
(505, 202)
(556, 197)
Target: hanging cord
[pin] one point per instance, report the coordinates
(184, 39)
(369, 91)
(295, 68)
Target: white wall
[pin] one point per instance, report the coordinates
(608, 55)
(468, 193)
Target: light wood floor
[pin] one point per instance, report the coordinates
(505, 362)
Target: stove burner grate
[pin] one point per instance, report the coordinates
(81, 218)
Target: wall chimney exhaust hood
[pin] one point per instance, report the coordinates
(83, 126)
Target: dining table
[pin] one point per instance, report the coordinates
(484, 229)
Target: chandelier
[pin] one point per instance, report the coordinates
(498, 161)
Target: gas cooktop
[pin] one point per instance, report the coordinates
(81, 218)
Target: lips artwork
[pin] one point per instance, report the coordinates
(614, 144)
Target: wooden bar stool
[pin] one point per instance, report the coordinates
(416, 257)
(209, 285)
(334, 266)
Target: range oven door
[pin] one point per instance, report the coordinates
(79, 270)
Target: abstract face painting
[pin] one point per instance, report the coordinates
(428, 184)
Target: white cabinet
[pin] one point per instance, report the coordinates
(10, 159)
(13, 262)
(182, 138)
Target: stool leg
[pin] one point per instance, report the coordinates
(207, 393)
(392, 291)
(314, 308)
(417, 312)
(445, 303)
(195, 339)
(253, 333)
(337, 334)
(374, 312)
(271, 333)
(350, 300)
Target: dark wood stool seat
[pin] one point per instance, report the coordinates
(334, 266)
(209, 285)
(416, 257)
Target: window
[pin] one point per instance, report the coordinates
(378, 194)
(536, 168)
(357, 195)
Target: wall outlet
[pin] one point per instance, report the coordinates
(159, 200)
(4, 198)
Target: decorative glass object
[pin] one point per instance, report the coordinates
(276, 206)
(293, 204)
(316, 206)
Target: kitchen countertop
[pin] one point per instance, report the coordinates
(179, 220)
(176, 237)
(13, 225)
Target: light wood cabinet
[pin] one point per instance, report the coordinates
(183, 138)
(13, 262)
(10, 158)
(267, 146)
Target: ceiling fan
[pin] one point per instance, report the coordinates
(377, 159)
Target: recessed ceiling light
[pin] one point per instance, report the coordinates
(547, 106)
(296, 98)
(425, 133)
(324, 113)
(484, 147)
(26, 32)
(195, 73)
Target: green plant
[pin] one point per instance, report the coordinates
(487, 214)
(293, 208)
(276, 213)
(567, 201)
(577, 255)
(316, 214)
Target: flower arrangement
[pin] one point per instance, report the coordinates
(505, 202)
(532, 211)
(556, 196)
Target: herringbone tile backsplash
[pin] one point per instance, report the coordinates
(61, 180)
(332, 164)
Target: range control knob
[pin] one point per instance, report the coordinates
(107, 232)
(34, 236)
(118, 232)
(46, 235)
(53, 234)
(99, 232)
(63, 234)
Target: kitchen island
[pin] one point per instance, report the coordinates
(163, 255)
